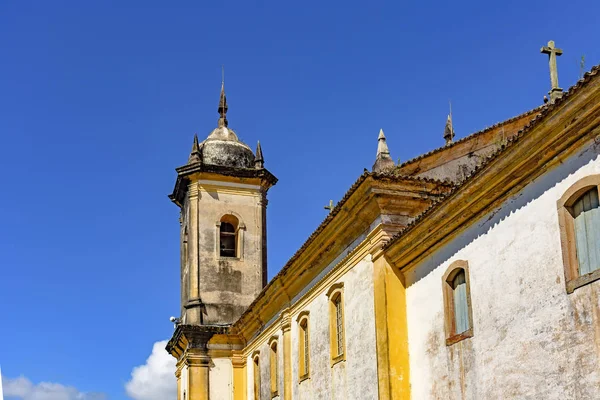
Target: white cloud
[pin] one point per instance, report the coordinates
(23, 389)
(155, 380)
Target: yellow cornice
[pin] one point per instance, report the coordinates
(371, 244)
(239, 191)
(371, 198)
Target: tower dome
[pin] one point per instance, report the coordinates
(222, 147)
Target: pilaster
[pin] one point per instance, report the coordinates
(198, 363)
(239, 376)
(286, 326)
(194, 304)
(178, 376)
(391, 331)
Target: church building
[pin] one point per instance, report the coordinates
(469, 272)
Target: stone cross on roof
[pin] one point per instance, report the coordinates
(330, 207)
(552, 51)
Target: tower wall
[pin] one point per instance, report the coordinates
(218, 289)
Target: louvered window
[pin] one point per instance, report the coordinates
(256, 379)
(228, 245)
(461, 310)
(339, 325)
(303, 348)
(586, 214)
(274, 370)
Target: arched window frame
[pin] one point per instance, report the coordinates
(256, 374)
(337, 337)
(452, 336)
(303, 322)
(573, 279)
(239, 227)
(274, 365)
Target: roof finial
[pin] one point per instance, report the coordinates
(555, 92)
(259, 162)
(223, 101)
(196, 154)
(330, 206)
(449, 129)
(383, 160)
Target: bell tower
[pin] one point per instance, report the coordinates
(222, 194)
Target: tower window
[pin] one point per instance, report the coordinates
(228, 236)
(579, 222)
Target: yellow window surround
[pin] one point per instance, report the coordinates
(274, 366)
(337, 340)
(303, 346)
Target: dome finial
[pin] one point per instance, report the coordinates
(449, 129)
(223, 101)
(196, 153)
(259, 162)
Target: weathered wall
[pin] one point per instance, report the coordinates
(183, 388)
(458, 169)
(355, 378)
(226, 285)
(454, 161)
(531, 339)
(221, 379)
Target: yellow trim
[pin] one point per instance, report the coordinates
(197, 377)
(303, 344)
(239, 377)
(358, 254)
(393, 366)
(287, 356)
(229, 190)
(362, 210)
(274, 366)
(256, 375)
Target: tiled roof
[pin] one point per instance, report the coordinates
(541, 115)
(388, 175)
(470, 137)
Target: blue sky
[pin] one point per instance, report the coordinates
(99, 102)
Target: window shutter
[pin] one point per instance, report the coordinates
(460, 303)
(587, 231)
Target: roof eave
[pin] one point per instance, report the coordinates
(505, 172)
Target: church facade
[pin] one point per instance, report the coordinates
(469, 272)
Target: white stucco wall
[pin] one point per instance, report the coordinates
(531, 340)
(184, 383)
(220, 379)
(355, 378)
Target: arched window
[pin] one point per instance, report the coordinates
(303, 347)
(336, 323)
(579, 221)
(228, 236)
(274, 361)
(457, 302)
(256, 372)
